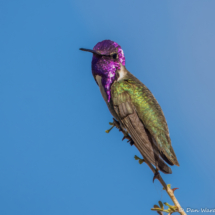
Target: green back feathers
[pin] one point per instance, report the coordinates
(148, 110)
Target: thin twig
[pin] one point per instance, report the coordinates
(168, 190)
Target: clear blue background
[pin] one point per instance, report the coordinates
(55, 157)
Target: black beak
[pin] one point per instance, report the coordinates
(92, 51)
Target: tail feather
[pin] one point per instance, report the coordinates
(164, 167)
(160, 158)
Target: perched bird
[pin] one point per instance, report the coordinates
(132, 105)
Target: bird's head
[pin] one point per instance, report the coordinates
(108, 57)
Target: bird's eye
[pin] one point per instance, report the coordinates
(115, 56)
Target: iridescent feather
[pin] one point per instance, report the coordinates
(148, 110)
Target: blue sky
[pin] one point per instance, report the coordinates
(55, 157)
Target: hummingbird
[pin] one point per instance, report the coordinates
(133, 106)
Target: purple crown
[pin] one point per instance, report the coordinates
(107, 47)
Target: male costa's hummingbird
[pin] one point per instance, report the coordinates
(132, 105)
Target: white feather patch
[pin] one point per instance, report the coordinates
(122, 72)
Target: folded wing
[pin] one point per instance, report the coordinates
(130, 120)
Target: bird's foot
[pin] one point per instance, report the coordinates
(116, 124)
(156, 175)
(126, 136)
